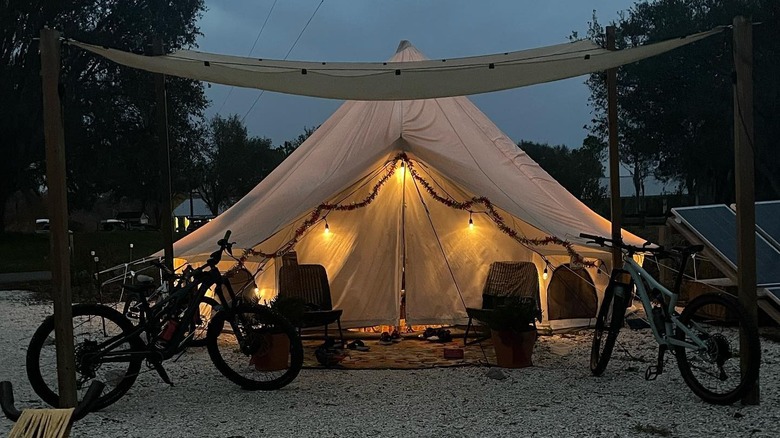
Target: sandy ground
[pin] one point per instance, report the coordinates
(556, 397)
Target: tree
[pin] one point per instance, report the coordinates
(108, 109)
(676, 110)
(577, 170)
(233, 163)
(290, 146)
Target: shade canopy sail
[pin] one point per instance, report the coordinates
(391, 232)
(395, 80)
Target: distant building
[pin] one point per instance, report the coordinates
(133, 219)
(191, 214)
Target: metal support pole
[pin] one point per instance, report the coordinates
(164, 160)
(616, 215)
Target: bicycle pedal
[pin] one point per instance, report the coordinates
(161, 371)
(651, 373)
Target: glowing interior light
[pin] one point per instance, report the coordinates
(327, 228)
(471, 221)
(544, 274)
(257, 293)
(401, 172)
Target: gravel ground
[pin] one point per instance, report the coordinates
(556, 397)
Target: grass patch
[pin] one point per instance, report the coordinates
(24, 252)
(20, 252)
(652, 430)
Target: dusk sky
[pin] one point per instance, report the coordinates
(370, 30)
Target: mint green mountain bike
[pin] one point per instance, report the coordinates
(705, 337)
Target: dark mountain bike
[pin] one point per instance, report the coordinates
(250, 344)
(705, 337)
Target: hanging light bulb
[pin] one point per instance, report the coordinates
(544, 274)
(402, 164)
(327, 228)
(471, 221)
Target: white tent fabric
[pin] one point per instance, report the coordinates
(455, 148)
(393, 80)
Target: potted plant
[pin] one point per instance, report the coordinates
(275, 354)
(291, 308)
(513, 332)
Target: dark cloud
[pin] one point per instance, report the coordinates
(370, 30)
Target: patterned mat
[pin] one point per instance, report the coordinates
(407, 354)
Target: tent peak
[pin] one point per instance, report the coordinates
(403, 45)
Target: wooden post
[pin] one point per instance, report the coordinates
(58, 216)
(614, 161)
(745, 177)
(164, 160)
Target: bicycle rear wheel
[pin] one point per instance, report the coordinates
(714, 373)
(255, 347)
(93, 324)
(608, 324)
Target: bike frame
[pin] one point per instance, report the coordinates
(149, 314)
(643, 280)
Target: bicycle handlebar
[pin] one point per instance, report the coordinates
(658, 251)
(212, 262)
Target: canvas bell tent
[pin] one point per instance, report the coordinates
(419, 195)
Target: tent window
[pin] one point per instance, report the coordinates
(571, 294)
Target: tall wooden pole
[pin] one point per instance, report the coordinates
(164, 160)
(614, 161)
(58, 216)
(745, 178)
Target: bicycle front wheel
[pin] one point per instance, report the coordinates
(608, 324)
(93, 326)
(206, 311)
(255, 347)
(714, 372)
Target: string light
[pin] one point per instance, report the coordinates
(544, 274)
(490, 211)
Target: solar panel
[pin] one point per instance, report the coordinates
(768, 220)
(716, 225)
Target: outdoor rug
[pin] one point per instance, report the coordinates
(407, 354)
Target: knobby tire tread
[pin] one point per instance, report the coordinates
(753, 351)
(296, 360)
(47, 327)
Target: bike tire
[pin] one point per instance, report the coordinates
(609, 321)
(235, 353)
(86, 317)
(200, 329)
(716, 319)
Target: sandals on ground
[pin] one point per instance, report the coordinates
(357, 345)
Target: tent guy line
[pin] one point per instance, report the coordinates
(371, 253)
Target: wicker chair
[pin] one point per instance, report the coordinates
(310, 284)
(505, 280)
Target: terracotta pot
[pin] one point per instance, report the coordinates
(513, 349)
(276, 356)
